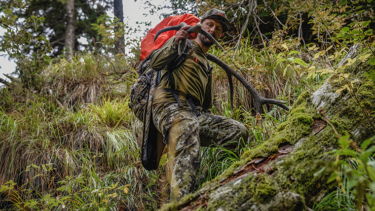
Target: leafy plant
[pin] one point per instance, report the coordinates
(358, 168)
(109, 29)
(289, 61)
(19, 34)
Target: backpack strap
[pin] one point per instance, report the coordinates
(158, 78)
(193, 102)
(186, 54)
(148, 76)
(178, 62)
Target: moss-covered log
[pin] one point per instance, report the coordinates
(279, 174)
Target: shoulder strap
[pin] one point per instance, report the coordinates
(186, 54)
(178, 62)
(145, 64)
(182, 58)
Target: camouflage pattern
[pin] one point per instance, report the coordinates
(186, 133)
(142, 94)
(219, 15)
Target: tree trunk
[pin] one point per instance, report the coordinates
(279, 174)
(119, 13)
(69, 33)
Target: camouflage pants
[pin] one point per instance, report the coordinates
(186, 133)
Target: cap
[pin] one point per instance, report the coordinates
(219, 15)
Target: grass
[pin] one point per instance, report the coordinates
(215, 160)
(88, 66)
(73, 154)
(71, 145)
(283, 80)
(67, 149)
(111, 112)
(338, 199)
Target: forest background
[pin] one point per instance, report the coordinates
(69, 141)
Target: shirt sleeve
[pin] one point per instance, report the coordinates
(166, 54)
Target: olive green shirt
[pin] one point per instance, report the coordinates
(190, 77)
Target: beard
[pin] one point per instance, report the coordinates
(205, 41)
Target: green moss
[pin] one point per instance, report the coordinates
(281, 127)
(305, 119)
(298, 110)
(257, 188)
(301, 99)
(296, 172)
(297, 125)
(299, 177)
(264, 192)
(173, 206)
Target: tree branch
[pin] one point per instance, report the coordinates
(257, 25)
(244, 26)
(13, 79)
(261, 19)
(351, 54)
(252, 42)
(300, 34)
(6, 83)
(273, 13)
(58, 41)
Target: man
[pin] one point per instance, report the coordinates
(186, 127)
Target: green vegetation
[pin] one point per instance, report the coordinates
(310, 165)
(68, 140)
(75, 145)
(352, 177)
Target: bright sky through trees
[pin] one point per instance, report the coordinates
(5, 65)
(133, 13)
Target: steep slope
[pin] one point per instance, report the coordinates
(281, 174)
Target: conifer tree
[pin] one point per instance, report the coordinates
(58, 22)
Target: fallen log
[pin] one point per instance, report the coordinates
(279, 174)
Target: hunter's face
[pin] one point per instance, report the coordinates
(212, 26)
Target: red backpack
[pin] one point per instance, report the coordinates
(148, 45)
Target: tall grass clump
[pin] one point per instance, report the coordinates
(112, 112)
(70, 144)
(87, 79)
(336, 200)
